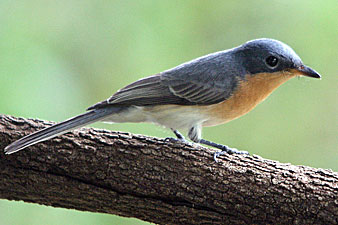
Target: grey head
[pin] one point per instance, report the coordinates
(253, 57)
(269, 56)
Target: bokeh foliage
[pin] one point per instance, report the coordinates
(59, 57)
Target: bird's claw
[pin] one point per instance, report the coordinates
(178, 140)
(171, 139)
(229, 151)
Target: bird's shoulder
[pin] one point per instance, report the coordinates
(203, 81)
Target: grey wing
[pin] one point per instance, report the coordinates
(203, 81)
(156, 91)
(205, 93)
(146, 91)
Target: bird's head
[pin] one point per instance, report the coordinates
(272, 56)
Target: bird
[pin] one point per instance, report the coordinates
(207, 91)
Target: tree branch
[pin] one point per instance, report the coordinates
(166, 183)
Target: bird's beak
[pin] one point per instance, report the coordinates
(307, 71)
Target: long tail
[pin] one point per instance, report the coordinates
(61, 128)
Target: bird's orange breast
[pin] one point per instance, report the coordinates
(250, 92)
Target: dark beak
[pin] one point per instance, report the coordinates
(307, 71)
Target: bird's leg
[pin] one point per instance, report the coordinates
(179, 138)
(178, 135)
(195, 135)
(225, 149)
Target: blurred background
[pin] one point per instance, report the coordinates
(59, 57)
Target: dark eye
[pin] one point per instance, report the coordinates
(272, 61)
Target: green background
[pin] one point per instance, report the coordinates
(59, 57)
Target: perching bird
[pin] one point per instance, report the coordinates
(206, 91)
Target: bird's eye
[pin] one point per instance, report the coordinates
(272, 61)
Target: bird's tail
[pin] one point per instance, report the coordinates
(61, 128)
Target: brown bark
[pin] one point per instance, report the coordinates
(165, 183)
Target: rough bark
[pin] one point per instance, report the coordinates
(165, 183)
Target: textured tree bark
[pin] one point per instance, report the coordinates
(166, 183)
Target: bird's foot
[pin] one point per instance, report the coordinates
(226, 150)
(171, 139)
(178, 140)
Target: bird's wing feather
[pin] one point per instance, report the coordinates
(147, 91)
(144, 92)
(198, 93)
(203, 81)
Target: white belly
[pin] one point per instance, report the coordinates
(170, 116)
